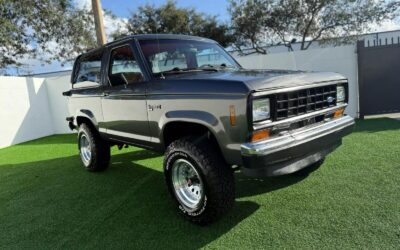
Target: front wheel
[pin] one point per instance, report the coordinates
(199, 180)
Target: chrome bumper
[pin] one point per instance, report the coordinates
(293, 151)
(295, 138)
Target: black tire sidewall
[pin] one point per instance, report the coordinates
(170, 159)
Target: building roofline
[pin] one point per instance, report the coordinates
(47, 73)
(277, 45)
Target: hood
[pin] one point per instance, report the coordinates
(258, 80)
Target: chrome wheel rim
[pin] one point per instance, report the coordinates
(86, 151)
(188, 186)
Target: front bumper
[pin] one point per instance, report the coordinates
(295, 150)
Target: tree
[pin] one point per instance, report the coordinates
(249, 30)
(169, 18)
(43, 29)
(285, 21)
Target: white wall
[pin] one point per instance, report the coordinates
(341, 59)
(24, 110)
(32, 108)
(56, 84)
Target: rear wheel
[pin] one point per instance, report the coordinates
(199, 180)
(94, 151)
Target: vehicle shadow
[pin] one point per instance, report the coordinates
(53, 139)
(249, 186)
(57, 204)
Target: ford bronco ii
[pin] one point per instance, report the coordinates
(187, 97)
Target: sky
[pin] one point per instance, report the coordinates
(122, 9)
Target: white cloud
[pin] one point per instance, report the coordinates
(110, 24)
(83, 4)
(113, 24)
(388, 25)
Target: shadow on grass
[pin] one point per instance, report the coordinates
(55, 203)
(53, 139)
(247, 186)
(376, 125)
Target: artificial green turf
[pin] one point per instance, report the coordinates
(48, 201)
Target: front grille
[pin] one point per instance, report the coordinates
(304, 101)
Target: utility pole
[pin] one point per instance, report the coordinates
(98, 22)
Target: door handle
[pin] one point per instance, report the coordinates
(106, 93)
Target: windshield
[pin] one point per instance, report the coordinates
(175, 55)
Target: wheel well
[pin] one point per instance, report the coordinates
(175, 130)
(82, 119)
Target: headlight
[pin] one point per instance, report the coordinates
(261, 109)
(340, 94)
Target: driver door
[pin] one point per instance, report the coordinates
(124, 99)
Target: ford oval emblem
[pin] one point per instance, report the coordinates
(330, 99)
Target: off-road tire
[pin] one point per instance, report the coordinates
(309, 169)
(217, 177)
(100, 149)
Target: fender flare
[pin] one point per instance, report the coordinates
(85, 113)
(190, 116)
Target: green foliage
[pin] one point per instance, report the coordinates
(169, 18)
(43, 29)
(264, 22)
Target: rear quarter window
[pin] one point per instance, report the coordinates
(88, 68)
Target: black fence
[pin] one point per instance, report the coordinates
(379, 76)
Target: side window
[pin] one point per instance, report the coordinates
(124, 68)
(89, 67)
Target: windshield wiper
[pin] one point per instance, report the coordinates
(216, 66)
(178, 70)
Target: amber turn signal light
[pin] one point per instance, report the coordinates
(338, 113)
(232, 115)
(260, 135)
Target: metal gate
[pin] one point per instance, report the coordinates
(379, 77)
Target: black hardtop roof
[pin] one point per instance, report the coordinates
(151, 37)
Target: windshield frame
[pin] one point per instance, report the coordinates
(226, 54)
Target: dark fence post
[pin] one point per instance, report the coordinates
(360, 46)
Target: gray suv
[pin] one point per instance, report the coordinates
(187, 97)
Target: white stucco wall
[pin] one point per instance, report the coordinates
(56, 84)
(24, 110)
(341, 59)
